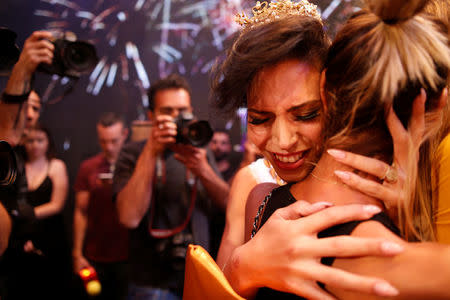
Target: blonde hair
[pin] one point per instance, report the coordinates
(430, 153)
(381, 58)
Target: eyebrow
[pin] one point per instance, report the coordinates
(294, 108)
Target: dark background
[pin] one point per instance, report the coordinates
(195, 32)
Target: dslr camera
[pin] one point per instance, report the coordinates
(172, 250)
(193, 132)
(71, 58)
(8, 164)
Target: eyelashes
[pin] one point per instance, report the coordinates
(310, 116)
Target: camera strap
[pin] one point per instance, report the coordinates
(158, 182)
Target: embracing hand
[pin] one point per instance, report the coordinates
(290, 262)
(394, 187)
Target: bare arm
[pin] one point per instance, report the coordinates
(36, 50)
(420, 272)
(79, 230)
(5, 229)
(292, 264)
(58, 175)
(133, 200)
(233, 235)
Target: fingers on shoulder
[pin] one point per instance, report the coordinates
(338, 214)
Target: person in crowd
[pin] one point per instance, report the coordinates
(228, 161)
(165, 193)
(33, 109)
(99, 240)
(41, 249)
(220, 146)
(438, 154)
(13, 115)
(354, 109)
(271, 44)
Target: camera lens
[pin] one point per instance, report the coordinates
(199, 133)
(80, 56)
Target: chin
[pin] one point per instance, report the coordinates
(296, 176)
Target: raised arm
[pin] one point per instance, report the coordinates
(133, 180)
(37, 49)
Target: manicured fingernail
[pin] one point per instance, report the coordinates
(372, 209)
(323, 203)
(391, 248)
(338, 154)
(383, 288)
(342, 175)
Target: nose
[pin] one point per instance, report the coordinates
(284, 134)
(175, 113)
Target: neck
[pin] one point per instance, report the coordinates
(323, 185)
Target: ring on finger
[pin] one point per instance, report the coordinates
(161, 126)
(391, 175)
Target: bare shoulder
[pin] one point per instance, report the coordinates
(375, 229)
(243, 176)
(57, 168)
(242, 184)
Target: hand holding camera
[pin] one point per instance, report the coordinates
(36, 50)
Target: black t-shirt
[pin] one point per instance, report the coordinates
(149, 258)
(282, 197)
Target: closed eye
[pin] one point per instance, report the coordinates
(257, 121)
(309, 116)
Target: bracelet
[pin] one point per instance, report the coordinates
(14, 99)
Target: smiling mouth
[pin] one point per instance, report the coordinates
(289, 158)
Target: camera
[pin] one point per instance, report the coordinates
(197, 133)
(173, 250)
(9, 52)
(8, 164)
(71, 58)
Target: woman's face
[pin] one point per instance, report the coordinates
(36, 143)
(284, 117)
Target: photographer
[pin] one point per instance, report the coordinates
(156, 185)
(14, 113)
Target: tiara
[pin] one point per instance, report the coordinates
(264, 12)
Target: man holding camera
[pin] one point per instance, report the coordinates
(16, 110)
(166, 192)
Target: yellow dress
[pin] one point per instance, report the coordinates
(442, 192)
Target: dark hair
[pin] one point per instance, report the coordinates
(292, 37)
(51, 151)
(110, 118)
(173, 81)
(222, 130)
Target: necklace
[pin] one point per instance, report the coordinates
(324, 180)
